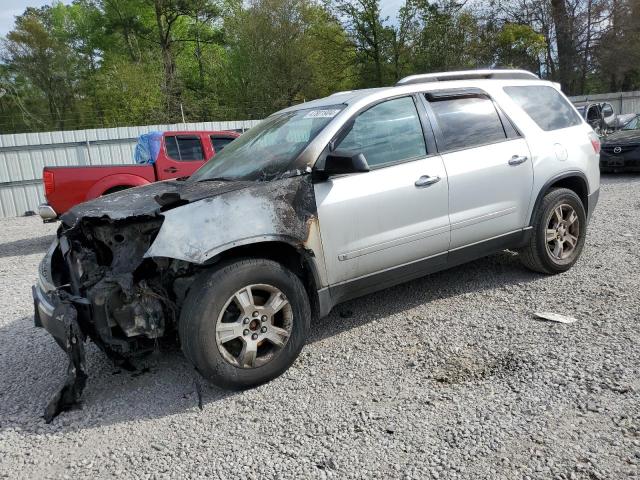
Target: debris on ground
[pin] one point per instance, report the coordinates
(554, 317)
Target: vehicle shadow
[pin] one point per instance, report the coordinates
(615, 178)
(487, 273)
(32, 366)
(26, 246)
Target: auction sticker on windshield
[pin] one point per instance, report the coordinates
(322, 113)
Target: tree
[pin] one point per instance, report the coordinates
(281, 52)
(519, 46)
(371, 38)
(35, 51)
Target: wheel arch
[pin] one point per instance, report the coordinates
(117, 188)
(113, 181)
(299, 260)
(575, 181)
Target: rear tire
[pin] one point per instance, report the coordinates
(245, 322)
(559, 232)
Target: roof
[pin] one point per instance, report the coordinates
(486, 74)
(430, 81)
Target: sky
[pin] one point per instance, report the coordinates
(10, 8)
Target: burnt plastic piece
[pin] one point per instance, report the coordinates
(69, 395)
(170, 199)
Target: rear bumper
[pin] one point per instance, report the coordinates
(47, 213)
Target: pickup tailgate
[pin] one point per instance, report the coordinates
(66, 187)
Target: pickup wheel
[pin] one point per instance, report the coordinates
(559, 232)
(245, 322)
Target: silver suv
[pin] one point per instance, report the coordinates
(320, 203)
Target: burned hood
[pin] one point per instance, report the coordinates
(143, 201)
(278, 210)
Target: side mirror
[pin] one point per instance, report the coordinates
(340, 162)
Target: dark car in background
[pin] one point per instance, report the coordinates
(620, 151)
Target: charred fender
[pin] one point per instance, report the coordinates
(280, 210)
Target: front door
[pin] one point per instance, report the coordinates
(488, 165)
(394, 214)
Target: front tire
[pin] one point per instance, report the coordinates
(559, 232)
(245, 322)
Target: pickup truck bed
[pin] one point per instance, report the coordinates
(82, 183)
(179, 155)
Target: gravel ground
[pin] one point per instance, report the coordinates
(445, 377)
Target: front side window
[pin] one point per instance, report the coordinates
(389, 132)
(545, 105)
(467, 122)
(184, 148)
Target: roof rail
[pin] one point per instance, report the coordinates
(504, 74)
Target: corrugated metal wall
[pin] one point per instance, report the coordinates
(23, 156)
(623, 102)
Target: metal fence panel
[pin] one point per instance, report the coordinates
(622, 102)
(24, 155)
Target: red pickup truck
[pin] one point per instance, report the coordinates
(179, 154)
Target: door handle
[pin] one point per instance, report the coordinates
(171, 170)
(426, 180)
(517, 160)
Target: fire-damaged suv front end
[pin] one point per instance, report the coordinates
(95, 283)
(121, 265)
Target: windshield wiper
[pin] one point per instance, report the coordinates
(216, 179)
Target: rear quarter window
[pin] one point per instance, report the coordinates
(545, 105)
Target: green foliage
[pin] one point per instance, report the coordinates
(519, 46)
(96, 63)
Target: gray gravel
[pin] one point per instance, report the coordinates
(449, 376)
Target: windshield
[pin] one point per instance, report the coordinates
(269, 149)
(634, 124)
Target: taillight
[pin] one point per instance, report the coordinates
(595, 141)
(47, 180)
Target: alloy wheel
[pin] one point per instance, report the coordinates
(563, 232)
(254, 326)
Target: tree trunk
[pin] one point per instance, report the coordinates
(171, 91)
(565, 44)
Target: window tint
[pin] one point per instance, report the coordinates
(387, 133)
(467, 122)
(220, 142)
(545, 105)
(184, 147)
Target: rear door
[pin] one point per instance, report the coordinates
(183, 155)
(488, 166)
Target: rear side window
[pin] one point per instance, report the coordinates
(184, 148)
(220, 142)
(545, 105)
(467, 122)
(387, 133)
